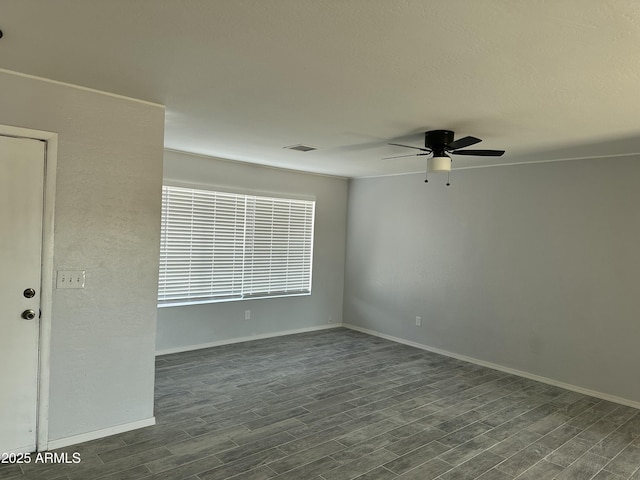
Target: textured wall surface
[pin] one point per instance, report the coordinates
(532, 267)
(186, 326)
(107, 217)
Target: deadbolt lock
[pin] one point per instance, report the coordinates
(29, 293)
(29, 314)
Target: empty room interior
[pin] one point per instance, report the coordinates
(319, 239)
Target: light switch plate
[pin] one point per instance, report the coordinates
(70, 279)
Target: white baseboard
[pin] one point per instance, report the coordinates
(189, 348)
(105, 432)
(495, 366)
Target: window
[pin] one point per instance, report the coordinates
(229, 246)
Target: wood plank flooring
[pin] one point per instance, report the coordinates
(340, 405)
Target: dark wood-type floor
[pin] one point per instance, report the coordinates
(339, 405)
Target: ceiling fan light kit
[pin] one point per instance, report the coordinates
(441, 143)
(439, 164)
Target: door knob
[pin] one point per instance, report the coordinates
(29, 314)
(29, 293)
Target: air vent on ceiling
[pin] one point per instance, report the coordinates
(301, 148)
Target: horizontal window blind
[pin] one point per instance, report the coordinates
(218, 245)
(278, 246)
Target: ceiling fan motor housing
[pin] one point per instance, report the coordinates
(437, 138)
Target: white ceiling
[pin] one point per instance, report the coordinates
(543, 79)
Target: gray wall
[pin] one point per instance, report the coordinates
(532, 267)
(187, 326)
(107, 218)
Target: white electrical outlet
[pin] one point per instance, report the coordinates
(418, 321)
(70, 279)
(330, 320)
(247, 314)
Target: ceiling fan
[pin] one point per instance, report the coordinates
(440, 143)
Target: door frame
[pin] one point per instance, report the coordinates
(46, 293)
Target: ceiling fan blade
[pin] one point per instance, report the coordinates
(409, 146)
(480, 153)
(411, 155)
(463, 142)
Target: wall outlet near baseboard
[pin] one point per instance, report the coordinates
(418, 321)
(247, 314)
(330, 319)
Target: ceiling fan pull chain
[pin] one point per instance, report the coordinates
(426, 173)
(448, 176)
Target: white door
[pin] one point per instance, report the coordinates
(21, 204)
